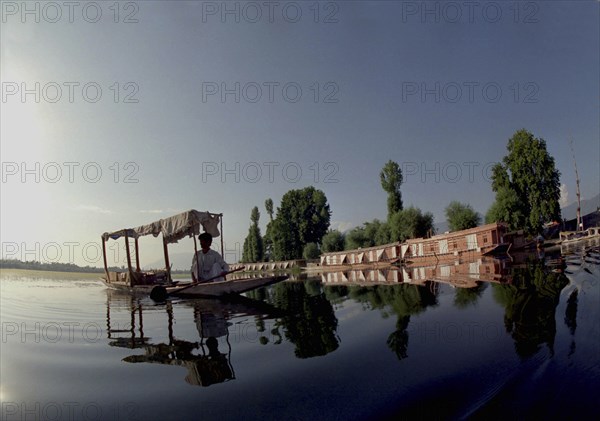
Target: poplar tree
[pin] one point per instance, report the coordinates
(253, 244)
(391, 180)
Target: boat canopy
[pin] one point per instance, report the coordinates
(174, 228)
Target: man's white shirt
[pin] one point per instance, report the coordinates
(211, 264)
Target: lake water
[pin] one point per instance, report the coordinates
(525, 347)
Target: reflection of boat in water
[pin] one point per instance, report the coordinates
(460, 273)
(590, 235)
(206, 364)
(173, 229)
(463, 274)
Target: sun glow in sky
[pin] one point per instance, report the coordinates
(147, 109)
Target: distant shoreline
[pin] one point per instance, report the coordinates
(64, 267)
(49, 273)
(56, 273)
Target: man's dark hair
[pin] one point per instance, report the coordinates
(205, 237)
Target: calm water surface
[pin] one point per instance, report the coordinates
(528, 347)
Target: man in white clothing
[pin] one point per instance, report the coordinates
(208, 263)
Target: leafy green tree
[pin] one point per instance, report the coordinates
(391, 180)
(506, 209)
(332, 241)
(378, 231)
(303, 217)
(410, 223)
(253, 244)
(311, 251)
(356, 238)
(372, 233)
(527, 184)
(461, 216)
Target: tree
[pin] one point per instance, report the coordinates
(378, 231)
(267, 241)
(269, 208)
(461, 216)
(254, 215)
(527, 184)
(253, 244)
(391, 180)
(311, 251)
(356, 239)
(332, 241)
(372, 233)
(410, 223)
(303, 217)
(506, 208)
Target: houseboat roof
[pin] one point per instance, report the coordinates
(363, 249)
(175, 227)
(449, 235)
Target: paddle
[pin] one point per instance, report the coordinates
(159, 293)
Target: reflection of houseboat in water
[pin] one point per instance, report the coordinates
(460, 273)
(469, 244)
(205, 363)
(463, 274)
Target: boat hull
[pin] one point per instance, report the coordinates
(210, 289)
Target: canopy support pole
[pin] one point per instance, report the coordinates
(168, 265)
(132, 280)
(128, 252)
(137, 255)
(197, 260)
(104, 258)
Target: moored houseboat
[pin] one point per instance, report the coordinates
(378, 256)
(467, 244)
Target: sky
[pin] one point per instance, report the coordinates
(116, 114)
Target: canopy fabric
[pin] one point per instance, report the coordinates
(175, 227)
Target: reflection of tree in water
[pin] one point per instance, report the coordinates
(310, 322)
(404, 300)
(530, 303)
(571, 318)
(465, 297)
(571, 312)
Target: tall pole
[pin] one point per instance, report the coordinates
(579, 222)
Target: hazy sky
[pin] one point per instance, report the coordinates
(115, 114)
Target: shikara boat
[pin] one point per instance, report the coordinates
(159, 283)
(576, 236)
